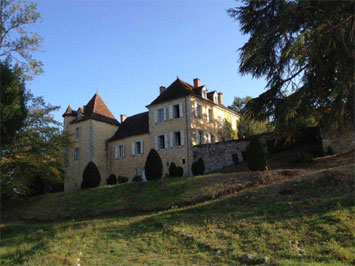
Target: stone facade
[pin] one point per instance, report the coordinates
(342, 143)
(180, 118)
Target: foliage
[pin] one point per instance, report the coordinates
(303, 157)
(36, 151)
(305, 51)
(17, 42)
(255, 155)
(137, 179)
(111, 180)
(13, 109)
(91, 176)
(198, 167)
(153, 166)
(247, 126)
(172, 169)
(122, 179)
(179, 171)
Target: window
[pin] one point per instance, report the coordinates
(119, 151)
(215, 99)
(209, 115)
(183, 161)
(199, 111)
(76, 154)
(77, 135)
(162, 142)
(176, 111)
(137, 147)
(177, 138)
(204, 94)
(161, 115)
(208, 135)
(199, 137)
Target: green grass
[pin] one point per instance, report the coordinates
(316, 215)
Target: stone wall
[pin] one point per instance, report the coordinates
(219, 155)
(343, 143)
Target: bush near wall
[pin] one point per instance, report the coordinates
(91, 176)
(179, 171)
(137, 179)
(172, 169)
(111, 180)
(153, 166)
(255, 156)
(122, 179)
(198, 167)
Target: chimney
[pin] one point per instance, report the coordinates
(162, 89)
(220, 98)
(123, 118)
(197, 82)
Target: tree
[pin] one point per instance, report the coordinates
(91, 176)
(153, 166)
(255, 156)
(12, 103)
(305, 51)
(17, 43)
(36, 152)
(248, 126)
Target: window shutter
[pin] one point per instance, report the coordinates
(142, 143)
(171, 139)
(202, 137)
(116, 152)
(208, 137)
(166, 141)
(156, 116)
(123, 148)
(133, 149)
(196, 109)
(208, 114)
(182, 137)
(196, 137)
(164, 114)
(170, 112)
(181, 113)
(156, 143)
(216, 139)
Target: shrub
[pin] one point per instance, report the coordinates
(137, 179)
(255, 155)
(111, 180)
(329, 150)
(303, 157)
(198, 167)
(179, 171)
(235, 158)
(172, 170)
(153, 166)
(91, 176)
(244, 156)
(122, 179)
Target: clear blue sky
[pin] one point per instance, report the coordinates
(127, 49)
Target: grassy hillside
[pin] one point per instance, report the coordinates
(291, 217)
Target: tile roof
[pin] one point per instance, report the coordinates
(134, 125)
(69, 112)
(96, 109)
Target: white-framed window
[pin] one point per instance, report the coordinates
(77, 132)
(177, 138)
(199, 111)
(204, 93)
(137, 147)
(175, 111)
(215, 98)
(162, 141)
(76, 154)
(209, 114)
(161, 115)
(199, 137)
(119, 151)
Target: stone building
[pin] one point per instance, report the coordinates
(181, 117)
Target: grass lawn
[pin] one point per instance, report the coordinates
(302, 220)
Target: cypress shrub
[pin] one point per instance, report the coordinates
(235, 158)
(153, 166)
(201, 166)
(137, 179)
(91, 176)
(172, 170)
(255, 156)
(111, 180)
(122, 179)
(179, 171)
(194, 168)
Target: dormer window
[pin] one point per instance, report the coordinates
(215, 98)
(204, 93)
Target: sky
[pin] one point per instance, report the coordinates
(126, 50)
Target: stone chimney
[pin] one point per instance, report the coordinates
(197, 82)
(123, 118)
(162, 89)
(220, 98)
